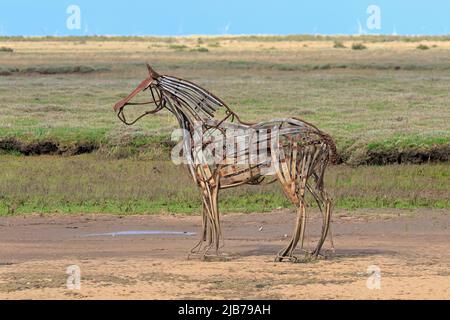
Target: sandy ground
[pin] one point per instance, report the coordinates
(410, 249)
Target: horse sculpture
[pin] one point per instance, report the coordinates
(228, 152)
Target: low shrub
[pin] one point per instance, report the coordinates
(358, 46)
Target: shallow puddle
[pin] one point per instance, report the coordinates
(140, 233)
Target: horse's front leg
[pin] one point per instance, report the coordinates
(213, 229)
(203, 234)
(211, 233)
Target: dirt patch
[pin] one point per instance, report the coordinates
(162, 149)
(45, 147)
(41, 147)
(410, 248)
(10, 145)
(438, 154)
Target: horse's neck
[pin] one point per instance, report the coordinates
(186, 119)
(194, 127)
(196, 119)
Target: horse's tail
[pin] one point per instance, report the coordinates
(330, 143)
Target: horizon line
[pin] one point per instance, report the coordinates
(228, 35)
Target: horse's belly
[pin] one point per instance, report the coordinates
(233, 174)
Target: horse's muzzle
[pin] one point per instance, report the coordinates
(143, 85)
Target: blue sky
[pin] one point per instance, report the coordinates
(209, 17)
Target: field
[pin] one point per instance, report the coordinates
(384, 104)
(90, 184)
(69, 167)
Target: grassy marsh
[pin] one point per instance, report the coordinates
(87, 183)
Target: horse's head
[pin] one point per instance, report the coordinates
(150, 84)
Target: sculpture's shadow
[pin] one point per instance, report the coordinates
(338, 254)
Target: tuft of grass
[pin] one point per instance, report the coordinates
(338, 44)
(358, 46)
(178, 47)
(422, 47)
(214, 44)
(6, 49)
(200, 49)
(7, 71)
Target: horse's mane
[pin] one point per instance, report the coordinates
(191, 97)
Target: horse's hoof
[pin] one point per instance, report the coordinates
(292, 259)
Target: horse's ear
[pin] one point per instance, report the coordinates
(152, 73)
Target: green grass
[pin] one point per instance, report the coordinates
(6, 49)
(200, 49)
(358, 46)
(214, 44)
(92, 184)
(179, 47)
(54, 70)
(423, 47)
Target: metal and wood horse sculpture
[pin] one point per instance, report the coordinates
(292, 150)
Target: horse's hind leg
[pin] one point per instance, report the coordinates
(324, 203)
(289, 178)
(326, 223)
